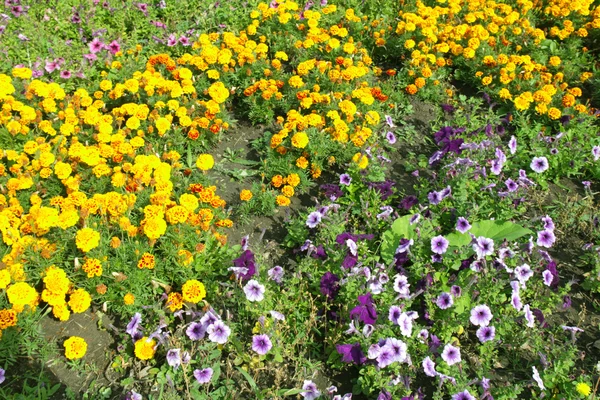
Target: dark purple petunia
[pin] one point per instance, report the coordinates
(409, 202)
(319, 253)
(448, 108)
(453, 146)
(349, 261)
(384, 395)
(539, 316)
(365, 311)
(351, 353)
(330, 285)
(566, 302)
(331, 191)
(555, 279)
(246, 260)
(384, 188)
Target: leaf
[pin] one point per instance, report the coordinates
(278, 358)
(290, 392)
(401, 229)
(251, 382)
(496, 230)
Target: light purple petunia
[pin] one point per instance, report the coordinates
(429, 367)
(203, 375)
(546, 238)
(398, 348)
(455, 291)
(313, 220)
(385, 356)
(439, 245)
(174, 358)
(394, 314)
(529, 317)
(254, 291)
(451, 354)
(537, 378)
(276, 274)
(523, 273)
(539, 164)
(2, 375)
(434, 197)
(388, 120)
(310, 390)
(218, 332)
(345, 179)
(463, 396)
(596, 153)
(196, 331)
(548, 277)
(66, 74)
(481, 315)
(512, 145)
(486, 333)
(134, 324)
(444, 301)
(405, 322)
(401, 286)
(462, 225)
(496, 167)
(548, 223)
(390, 137)
(511, 185)
(483, 247)
(261, 344)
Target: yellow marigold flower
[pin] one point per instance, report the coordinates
(162, 125)
(4, 278)
(174, 301)
(61, 311)
(8, 318)
(300, 140)
(62, 170)
(87, 239)
(80, 301)
(75, 347)
(302, 162)
(193, 291)
(245, 195)
(92, 267)
(205, 162)
(277, 181)
(177, 215)
(145, 348)
(293, 179)
(20, 294)
(146, 261)
(154, 227)
(361, 160)
(554, 113)
(218, 92)
(554, 61)
(583, 389)
(282, 201)
(288, 191)
(129, 299)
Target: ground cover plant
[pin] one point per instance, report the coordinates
(314, 199)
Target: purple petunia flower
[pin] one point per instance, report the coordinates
(444, 301)
(203, 375)
(408, 202)
(388, 120)
(394, 314)
(134, 324)
(481, 315)
(330, 285)
(463, 396)
(218, 332)
(486, 333)
(2, 375)
(246, 265)
(314, 218)
(539, 164)
(114, 47)
(276, 273)
(365, 311)
(496, 167)
(511, 185)
(529, 316)
(596, 153)
(434, 198)
(351, 353)
(174, 358)
(401, 286)
(405, 323)
(96, 46)
(455, 291)
(254, 291)
(462, 225)
(345, 179)
(390, 137)
(546, 238)
(512, 145)
(196, 331)
(483, 247)
(451, 354)
(548, 277)
(66, 74)
(439, 245)
(261, 344)
(429, 367)
(310, 390)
